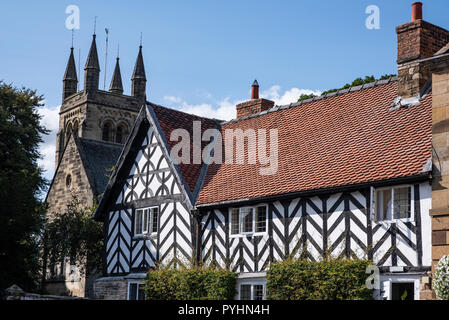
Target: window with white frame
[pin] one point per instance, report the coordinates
(248, 291)
(146, 221)
(248, 220)
(136, 291)
(393, 203)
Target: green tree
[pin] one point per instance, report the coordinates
(21, 181)
(76, 236)
(306, 96)
(359, 81)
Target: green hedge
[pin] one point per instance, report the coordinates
(323, 280)
(197, 283)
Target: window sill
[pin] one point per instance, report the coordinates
(404, 220)
(145, 236)
(250, 234)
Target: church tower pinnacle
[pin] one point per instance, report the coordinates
(70, 80)
(116, 82)
(92, 69)
(138, 78)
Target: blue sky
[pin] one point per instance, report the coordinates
(202, 56)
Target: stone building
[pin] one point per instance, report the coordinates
(93, 126)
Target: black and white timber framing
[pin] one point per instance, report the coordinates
(337, 222)
(147, 179)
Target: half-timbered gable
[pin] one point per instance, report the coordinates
(150, 198)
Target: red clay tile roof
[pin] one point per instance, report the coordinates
(170, 119)
(336, 141)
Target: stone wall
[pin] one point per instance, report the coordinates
(62, 190)
(16, 293)
(440, 142)
(111, 289)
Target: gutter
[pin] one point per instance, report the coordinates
(425, 176)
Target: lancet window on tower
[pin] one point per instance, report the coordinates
(121, 133)
(106, 132)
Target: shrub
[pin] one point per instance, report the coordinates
(441, 279)
(196, 283)
(324, 280)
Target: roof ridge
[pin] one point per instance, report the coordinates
(327, 95)
(186, 113)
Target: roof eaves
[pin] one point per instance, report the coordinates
(423, 176)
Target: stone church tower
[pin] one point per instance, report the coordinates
(93, 126)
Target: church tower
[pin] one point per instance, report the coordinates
(93, 126)
(96, 114)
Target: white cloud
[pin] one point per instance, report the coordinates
(172, 99)
(48, 159)
(50, 117)
(289, 96)
(50, 120)
(225, 109)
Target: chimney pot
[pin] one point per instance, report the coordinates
(255, 90)
(255, 105)
(416, 11)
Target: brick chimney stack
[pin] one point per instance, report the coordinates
(255, 105)
(417, 40)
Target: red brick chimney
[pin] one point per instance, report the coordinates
(417, 40)
(255, 105)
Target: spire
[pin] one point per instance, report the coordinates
(92, 58)
(138, 78)
(139, 68)
(92, 68)
(116, 82)
(70, 80)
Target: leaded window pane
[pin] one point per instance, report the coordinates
(235, 221)
(138, 225)
(154, 217)
(261, 219)
(133, 291)
(247, 219)
(401, 203)
(258, 292)
(383, 204)
(145, 221)
(245, 292)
